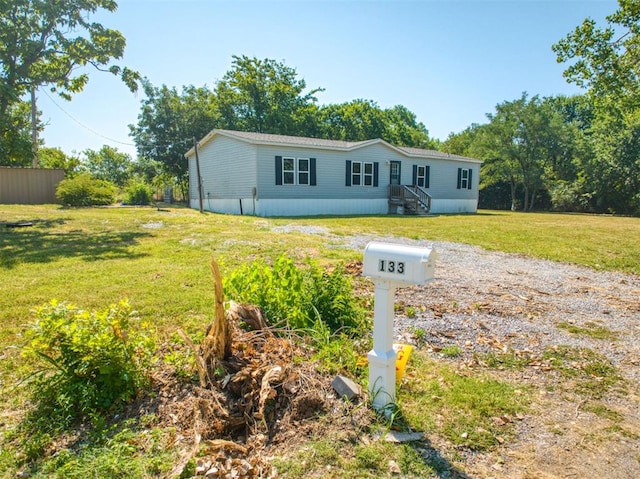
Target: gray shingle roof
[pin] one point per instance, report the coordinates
(269, 139)
(291, 140)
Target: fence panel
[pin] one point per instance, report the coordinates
(29, 186)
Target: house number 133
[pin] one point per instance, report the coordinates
(396, 267)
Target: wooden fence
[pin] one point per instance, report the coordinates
(29, 186)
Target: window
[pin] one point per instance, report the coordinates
(421, 175)
(464, 178)
(368, 174)
(356, 173)
(288, 171)
(303, 171)
(295, 171)
(361, 173)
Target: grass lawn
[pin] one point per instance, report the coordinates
(159, 259)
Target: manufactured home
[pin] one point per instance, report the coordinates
(261, 174)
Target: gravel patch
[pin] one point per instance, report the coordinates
(518, 301)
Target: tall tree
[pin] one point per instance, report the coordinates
(523, 140)
(265, 96)
(359, 120)
(167, 125)
(56, 158)
(604, 61)
(108, 164)
(44, 42)
(16, 147)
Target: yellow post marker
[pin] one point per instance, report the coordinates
(403, 351)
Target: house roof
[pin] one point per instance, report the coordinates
(300, 141)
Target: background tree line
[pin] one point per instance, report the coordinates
(578, 153)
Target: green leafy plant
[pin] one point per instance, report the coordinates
(83, 190)
(451, 351)
(139, 193)
(410, 311)
(297, 296)
(90, 361)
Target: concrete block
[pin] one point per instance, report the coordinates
(345, 387)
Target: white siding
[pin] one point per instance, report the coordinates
(228, 169)
(231, 169)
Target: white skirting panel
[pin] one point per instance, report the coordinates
(227, 206)
(314, 207)
(453, 206)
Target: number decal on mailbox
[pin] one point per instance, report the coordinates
(396, 267)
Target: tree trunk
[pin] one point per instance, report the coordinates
(513, 194)
(220, 331)
(216, 346)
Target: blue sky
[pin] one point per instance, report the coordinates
(448, 61)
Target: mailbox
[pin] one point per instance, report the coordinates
(399, 263)
(390, 266)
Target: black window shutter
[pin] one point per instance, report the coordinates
(348, 174)
(375, 174)
(427, 174)
(312, 171)
(469, 182)
(459, 177)
(415, 175)
(278, 170)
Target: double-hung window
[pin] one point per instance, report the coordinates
(303, 171)
(361, 173)
(295, 171)
(421, 175)
(288, 171)
(464, 178)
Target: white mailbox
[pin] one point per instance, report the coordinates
(390, 266)
(399, 263)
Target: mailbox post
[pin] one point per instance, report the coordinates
(390, 266)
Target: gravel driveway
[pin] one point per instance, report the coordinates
(481, 300)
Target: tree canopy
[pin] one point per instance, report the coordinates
(264, 96)
(43, 42)
(604, 61)
(260, 96)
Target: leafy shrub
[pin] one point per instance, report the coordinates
(83, 190)
(139, 193)
(91, 360)
(297, 297)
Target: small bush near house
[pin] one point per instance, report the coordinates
(139, 193)
(83, 190)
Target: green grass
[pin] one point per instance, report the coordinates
(591, 329)
(160, 262)
(466, 409)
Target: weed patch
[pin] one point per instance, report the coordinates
(297, 296)
(476, 411)
(590, 329)
(592, 374)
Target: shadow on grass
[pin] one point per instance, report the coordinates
(36, 244)
(435, 460)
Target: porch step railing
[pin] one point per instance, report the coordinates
(414, 199)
